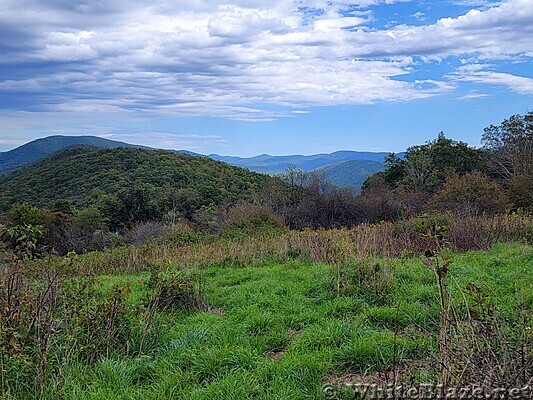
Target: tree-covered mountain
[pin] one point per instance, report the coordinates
(359, 165)
(276, 164)
(41, 148)
(128, 184)
(351, 173)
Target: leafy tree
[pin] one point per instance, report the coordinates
(395, 169)
(420, 173)
(511, 146)
(57, 232)
(89, 220)
(248, 220)
(141, 203)
(426, 167)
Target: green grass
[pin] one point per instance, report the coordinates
(277, 331)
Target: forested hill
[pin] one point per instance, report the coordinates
(351, 173)
(41, 148)
(129, 179)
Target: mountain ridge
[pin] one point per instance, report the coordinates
(266, 163)
(351, 173)
(359, 163)
(41, 148)
(86, 176)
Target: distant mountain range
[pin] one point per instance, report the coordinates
(343, 168)
(275, 164)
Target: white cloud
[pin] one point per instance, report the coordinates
(472, 96)
(419, 16)
(478, 73)
(199, 57)
(167, 140)
(477, 3)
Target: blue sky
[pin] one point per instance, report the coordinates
(245, 77)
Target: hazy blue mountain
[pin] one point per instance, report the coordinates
(41, 148)
(351, 173)
(344, 168)
(275, 164)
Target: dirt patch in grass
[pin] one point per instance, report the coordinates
(275, 355)
(381, 378)
(217, 311)
(293, 332)
(378, 378)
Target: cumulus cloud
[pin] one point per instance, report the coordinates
(142, 59)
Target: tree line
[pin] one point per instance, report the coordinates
(91, 198)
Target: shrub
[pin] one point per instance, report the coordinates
(180, 235)
(25, 214)
(58, 228)
(172, 291)
(209, 219)
(423, 223)
(246, 220)
(378, 203)
(520, 192)
(90, 219)
(471, 192)
(48, 319)
(22, 240)
(366, 277)
(144, 232)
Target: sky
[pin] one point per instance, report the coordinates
(247, 77)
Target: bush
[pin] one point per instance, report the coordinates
(173, 292)
(378, 205)
(144, 232)
(520, 192)
(22, 241)
(208, 219)
(48, 319)
(25, 214)
(180, 235)
(248, 220)
(472, 193)
(90, 219)
(58, 235)
(365, 277)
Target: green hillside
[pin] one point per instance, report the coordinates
(351, 173)
(41, 148)
(87, 176)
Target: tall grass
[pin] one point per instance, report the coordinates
(51, 316)
(54, 311)
(338, 246)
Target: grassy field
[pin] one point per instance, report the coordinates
(283, 331)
